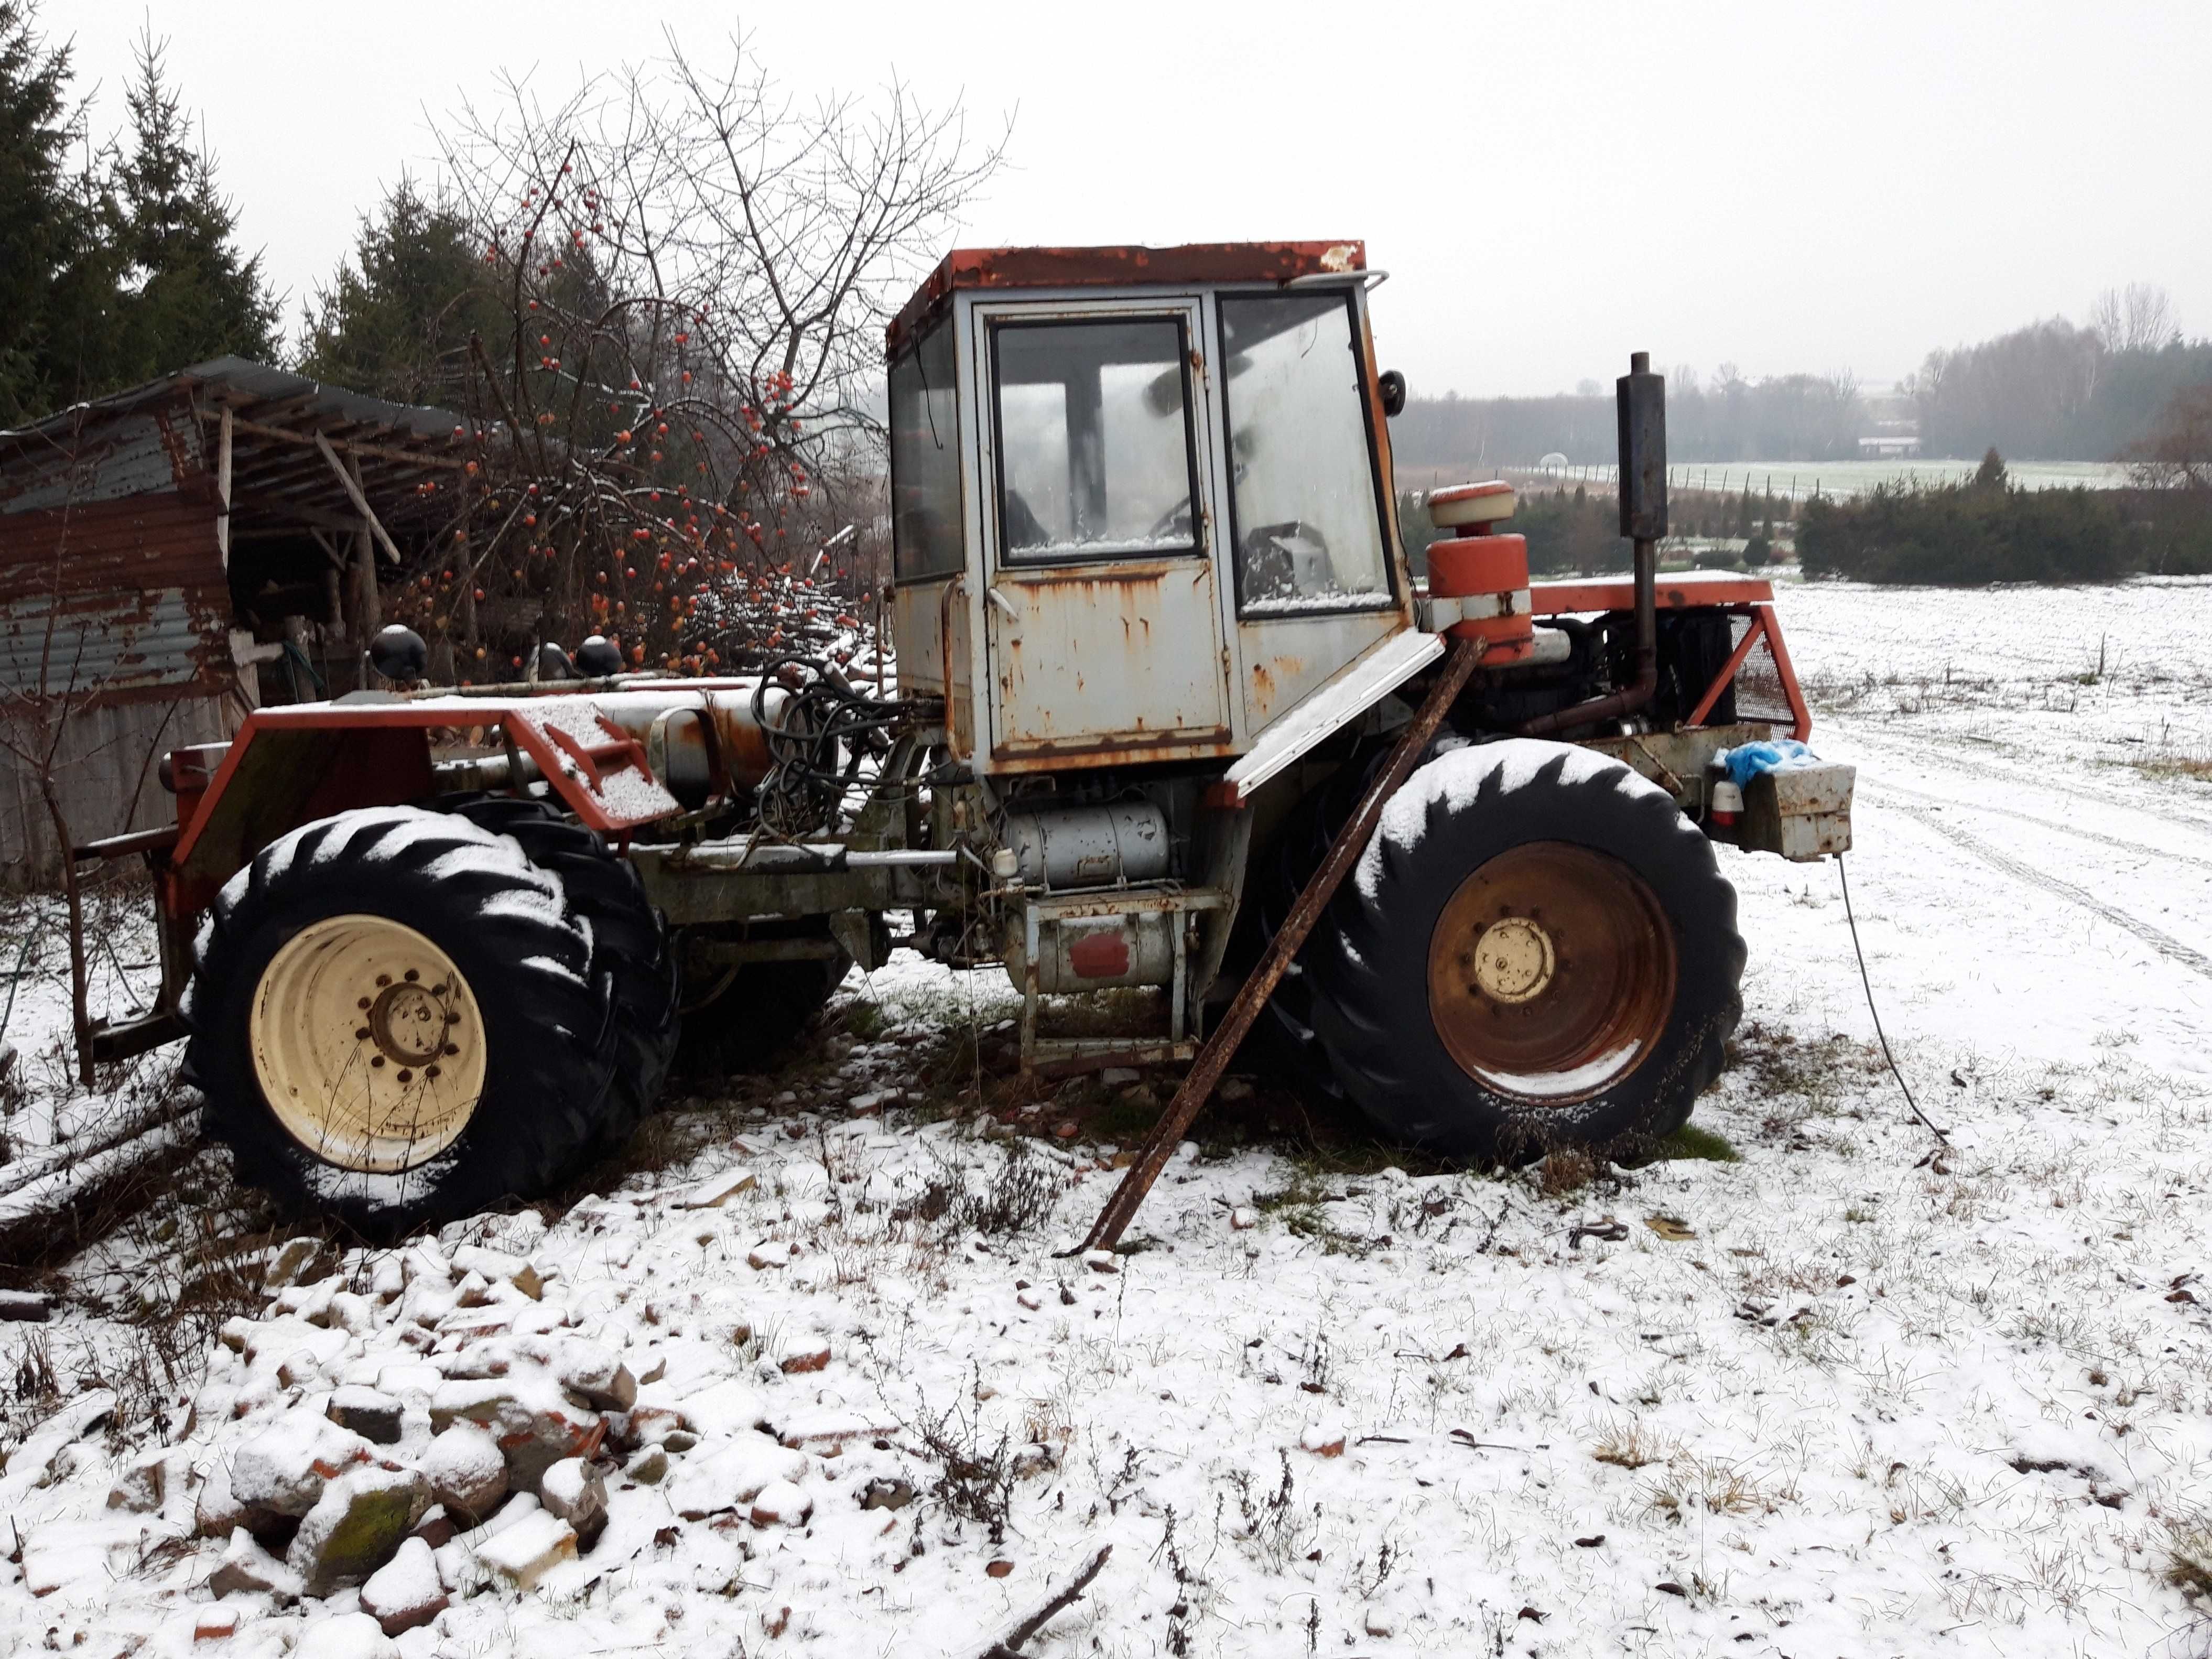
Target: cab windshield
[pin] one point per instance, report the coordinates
(1303, 504)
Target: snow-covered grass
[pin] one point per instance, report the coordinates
(1856, 1391)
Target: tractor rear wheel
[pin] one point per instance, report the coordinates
(628, 939)
(397, 1018)
(1536, 949)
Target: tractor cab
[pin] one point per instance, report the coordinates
(1141, 502)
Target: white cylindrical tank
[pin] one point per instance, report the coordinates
(1076, 847)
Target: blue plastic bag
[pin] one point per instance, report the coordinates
(1747, 761)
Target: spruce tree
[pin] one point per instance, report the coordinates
(56, 287)
(395, 319)
(192, 295)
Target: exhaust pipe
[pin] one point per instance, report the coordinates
(1641, 401)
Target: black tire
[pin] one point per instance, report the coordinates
(555, 1072)
(629, 940)
(766, 1007)
(1369, 965)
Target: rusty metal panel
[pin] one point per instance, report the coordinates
(1288, 658)
(1341, 699)
(1105, 657)
(1802, 812)
(1124, 266)
(109, 459)
(115, 598)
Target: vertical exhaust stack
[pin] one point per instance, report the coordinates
(1641, 404)
(1640, 398)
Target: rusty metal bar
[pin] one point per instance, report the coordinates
(1213, 1058)
(1729, 670)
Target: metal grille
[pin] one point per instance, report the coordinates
(1759, 694)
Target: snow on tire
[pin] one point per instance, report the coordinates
(397, 1018)
(1536, 949)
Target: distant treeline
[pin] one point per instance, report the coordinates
(2051, 392)
(2048, 391)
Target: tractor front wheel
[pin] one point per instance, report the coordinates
(1536, 949)
(397, 1018)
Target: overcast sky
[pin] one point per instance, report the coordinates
(1783, 186)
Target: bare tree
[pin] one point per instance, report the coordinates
(697, 269)
(2177, 453)
(2139, 317)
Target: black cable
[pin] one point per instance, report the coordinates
(1943, 1135)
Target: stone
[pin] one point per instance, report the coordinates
(732, 1475)
(575, 1491)
(285, 1467)
(405, 1591)
(774, 1253)
(1102, 1261)
(884, 1493)
(357, 1526)
(374, 1417)
(1377, 1622)
(347, 1636)
(526, 1552)
(782, 1504)
(1030, 1299)
(142, 1486)
(803, 1354)
(649, 1468)
(466, 1472)
(716, 1190)
(246, 1569)
(1234, 1088)
(1323, 1439)
(1244, 1219)
(1114, 1076)
(25, 1306)
(289, 1264)
(496, 1267)
(729, 1407)
(216, 1623)
(534, 1423)
(590, 1370)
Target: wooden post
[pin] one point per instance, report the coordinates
(222, 488)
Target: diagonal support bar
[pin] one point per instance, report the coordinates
(360, 500)
(1213, 1058)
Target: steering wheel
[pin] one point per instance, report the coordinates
(1269, 564)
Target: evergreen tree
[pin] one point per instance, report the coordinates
(56, 286)
(190, 294)
(396, 318)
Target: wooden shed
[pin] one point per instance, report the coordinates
(176, 554)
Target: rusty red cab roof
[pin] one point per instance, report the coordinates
(1118, 267)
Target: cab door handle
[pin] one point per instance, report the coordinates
(1003, 603)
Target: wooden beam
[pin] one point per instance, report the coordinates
(381, 452)
(361, 502)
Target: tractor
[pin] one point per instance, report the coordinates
(1158, 638)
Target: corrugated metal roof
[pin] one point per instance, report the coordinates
(257, 382)
(138, 454)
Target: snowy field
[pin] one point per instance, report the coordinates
(1857, 1392)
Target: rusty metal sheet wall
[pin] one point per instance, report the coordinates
(154, 452)
(107, 784)
(135, 589)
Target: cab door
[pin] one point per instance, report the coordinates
(1102, 615)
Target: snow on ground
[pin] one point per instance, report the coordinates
(1856, 1392)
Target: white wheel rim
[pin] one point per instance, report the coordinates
(367, 1044)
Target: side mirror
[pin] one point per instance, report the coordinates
(1392, 385)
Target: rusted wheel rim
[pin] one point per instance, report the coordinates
(368, 1043)
(1552, 973)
